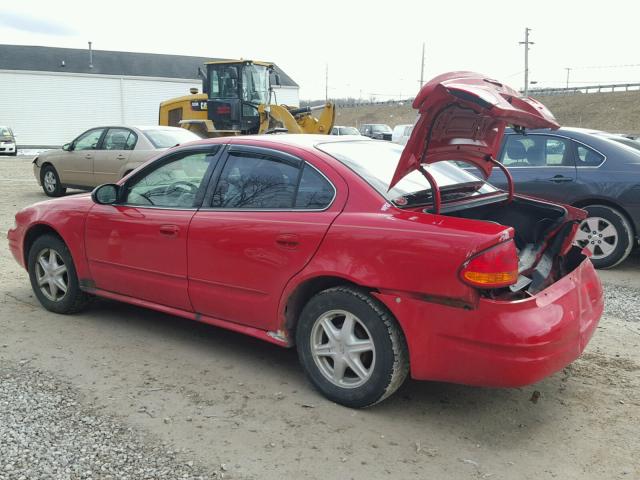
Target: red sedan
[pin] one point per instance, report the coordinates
(372, 260)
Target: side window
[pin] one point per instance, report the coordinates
(175, 115)
(131, 141)
(88, 140)
(119, 139)
(536, 151)
(588, 157)
(314, 191)
(334, 131)
(173, 184)
(256, 182)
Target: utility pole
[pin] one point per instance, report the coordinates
(568, 69)
(422, 68)
(326, 82)
(526, 44)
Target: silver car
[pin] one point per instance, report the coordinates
(103, 155)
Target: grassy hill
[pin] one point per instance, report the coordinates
(613, 112)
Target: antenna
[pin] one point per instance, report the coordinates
(422, 68)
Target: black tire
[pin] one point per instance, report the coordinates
(623, 233)
(74, 299)
(15, 152)
(55, 189)
(388, 362)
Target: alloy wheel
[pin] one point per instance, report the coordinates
(343, 349)
(50, 181)
(51, 275)
(598, 235)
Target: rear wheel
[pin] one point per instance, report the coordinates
(51, 182)
(607, 234)
(53, 276)
(351, 348)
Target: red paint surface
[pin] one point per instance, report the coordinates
(238, 270)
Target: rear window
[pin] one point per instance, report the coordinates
(376, 163)
(167, 138)
(588, 157)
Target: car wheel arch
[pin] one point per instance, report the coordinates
(607, 203)
(33, 233)
(302, 293)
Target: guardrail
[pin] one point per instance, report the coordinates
(613, 87)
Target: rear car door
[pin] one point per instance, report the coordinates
(110, 161)
(138, 247)
(75, 167)
(265, 219)
(541, 166)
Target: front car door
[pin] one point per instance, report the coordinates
(110, 161)
(75, 167)
(541, 166)
(264, 220)
(138, 247)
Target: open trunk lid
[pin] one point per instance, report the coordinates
(463, 116)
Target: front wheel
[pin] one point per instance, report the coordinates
(351, 347)
(53, 276)
(607, 234)
(51, 182)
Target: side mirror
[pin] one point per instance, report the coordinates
(106, 194)
(67, 147)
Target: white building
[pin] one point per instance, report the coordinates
(48, 96)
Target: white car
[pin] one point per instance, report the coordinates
(341, 130)
(401, 133)
(7, 141)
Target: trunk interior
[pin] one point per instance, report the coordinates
(540, 233)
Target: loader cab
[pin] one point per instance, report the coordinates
(235, 90)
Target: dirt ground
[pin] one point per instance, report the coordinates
(223, 398)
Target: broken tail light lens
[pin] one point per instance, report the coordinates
(495, 267)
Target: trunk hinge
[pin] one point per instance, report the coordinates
(434, 188)
(507, 174)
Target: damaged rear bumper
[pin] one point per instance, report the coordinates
(502, 343)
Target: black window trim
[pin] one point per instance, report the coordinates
(268, 152)
(571, 140)
(215, 150)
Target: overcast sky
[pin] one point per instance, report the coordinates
(371, 48)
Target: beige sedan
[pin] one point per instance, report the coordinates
(103, 155)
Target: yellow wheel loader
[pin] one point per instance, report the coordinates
(236, 100)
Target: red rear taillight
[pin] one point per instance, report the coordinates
(493, 268)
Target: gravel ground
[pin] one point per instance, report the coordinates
(124, 392)
(622, 302)
(47, 433)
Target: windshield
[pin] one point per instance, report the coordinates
(381, 128)
(349, 131)
(255, 84)
(376, 162)
(5, 132)
(166, 138)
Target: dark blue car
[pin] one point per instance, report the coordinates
(586, 169)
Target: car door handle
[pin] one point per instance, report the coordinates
(88, 155)
(288, 240)
(560, 179)
(169, 230)
(120, 157)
